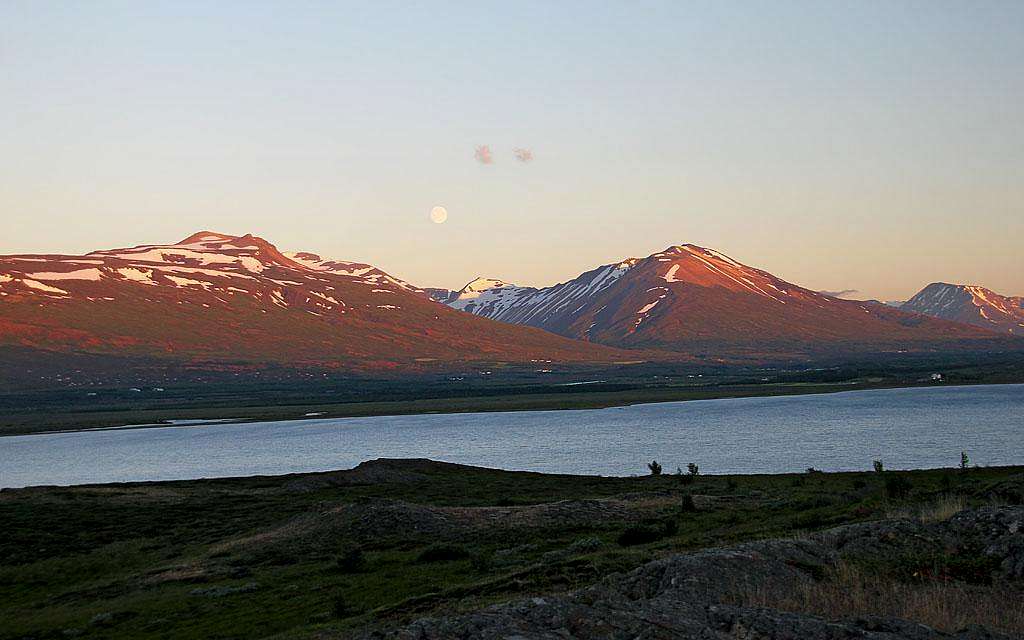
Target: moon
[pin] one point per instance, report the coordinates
(438, 215)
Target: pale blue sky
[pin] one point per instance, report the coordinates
(869, 145)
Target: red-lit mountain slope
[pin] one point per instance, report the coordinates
(217, 298)
(701, 302)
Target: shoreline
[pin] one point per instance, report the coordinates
(711, 432)
(188, 417)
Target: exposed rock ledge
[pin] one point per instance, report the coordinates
(686, 596)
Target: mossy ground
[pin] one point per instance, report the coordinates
(193, 559)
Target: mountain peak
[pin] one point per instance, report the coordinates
(969, 303)
(207, 236)
(695, 250)
(695, 299)
(481, 284)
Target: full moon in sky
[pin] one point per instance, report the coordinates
(438, 215)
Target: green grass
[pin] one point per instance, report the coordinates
(125, 560)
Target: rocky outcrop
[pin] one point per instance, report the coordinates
(688, 596)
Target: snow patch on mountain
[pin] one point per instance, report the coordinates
(647, 307)
(78, 274)
(187, 282)
(367, 273)
(45, 288)
(137, 275)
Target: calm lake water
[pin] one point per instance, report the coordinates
(907, 428)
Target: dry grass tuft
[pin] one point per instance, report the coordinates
(938, 511)
(848, 591)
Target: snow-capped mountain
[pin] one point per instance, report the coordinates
(971, 304)
(220, 298)
(550, 308)
(223, 301)
(700, 301)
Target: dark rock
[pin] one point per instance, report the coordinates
(686, 596)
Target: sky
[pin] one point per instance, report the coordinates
(871, 146)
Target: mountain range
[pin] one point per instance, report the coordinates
(218, 300)
(215, 298)
(700, 301)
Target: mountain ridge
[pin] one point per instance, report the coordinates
(221, 300)
(219, 297)
(697, 300)
(970, 304)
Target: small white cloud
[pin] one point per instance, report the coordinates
(840, 294)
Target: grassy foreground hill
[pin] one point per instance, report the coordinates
(345, 553)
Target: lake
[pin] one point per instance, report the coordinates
(906, 428)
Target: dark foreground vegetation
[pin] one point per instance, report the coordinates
(374, 549)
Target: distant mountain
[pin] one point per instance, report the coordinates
(228, 303)
(699, 301)
(221, 300)
(437, 294)
(971, 304)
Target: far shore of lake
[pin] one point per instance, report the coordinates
(582, 400)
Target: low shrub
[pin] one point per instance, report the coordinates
(811, 520)
(687, 505)
(340, 607)
(670, 528)
(946, 483)
(586, 545)
(482, 562)
(647, 533)
(897, 487)
(632, 536)
(350, 561)
(442, 553)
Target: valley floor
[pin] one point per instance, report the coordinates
(526, 399)
(421, 549)
(111, 405)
